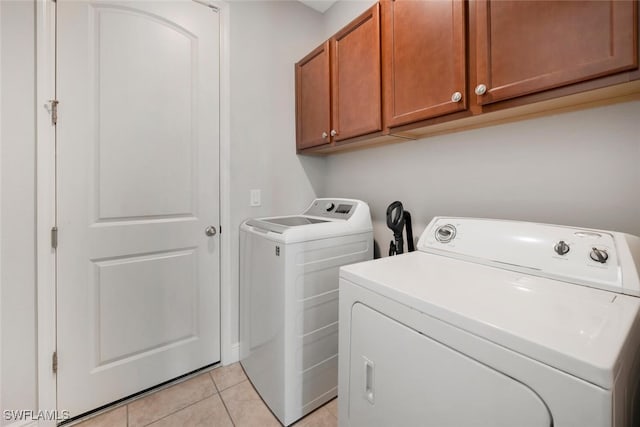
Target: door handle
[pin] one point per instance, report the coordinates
(369, 384)
(210, 231)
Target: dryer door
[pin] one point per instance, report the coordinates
(400, 377)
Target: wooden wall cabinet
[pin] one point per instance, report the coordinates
(313, 98)
(423, 59)
(524, 47)
(438, 66)
(338, 87)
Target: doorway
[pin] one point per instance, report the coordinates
(137, 196)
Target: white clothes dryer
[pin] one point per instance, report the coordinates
(494, 323)
(289, 301)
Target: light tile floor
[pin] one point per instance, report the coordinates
(221, 397)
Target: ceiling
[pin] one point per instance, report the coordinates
(319, 5)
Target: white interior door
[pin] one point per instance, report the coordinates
(137, 171)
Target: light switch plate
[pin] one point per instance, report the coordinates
(254, 198)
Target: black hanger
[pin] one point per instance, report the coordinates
(397, 220)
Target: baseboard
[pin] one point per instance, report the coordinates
(234, 354)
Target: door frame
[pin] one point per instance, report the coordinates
(46, 198)
(1, 404)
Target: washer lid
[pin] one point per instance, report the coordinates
(323, 219)
(302, 228)
(280, 224)
(576, 329)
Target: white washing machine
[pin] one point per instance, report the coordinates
(289, 301)
(493, 323)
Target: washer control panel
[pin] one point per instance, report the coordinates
(332, 208)
(588, 257)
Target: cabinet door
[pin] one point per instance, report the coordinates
(313, 99)
(423, 49)
(524, 47)
(356, 93)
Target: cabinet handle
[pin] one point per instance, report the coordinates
(324, 135)
(456, 97)
(333, 132)
(481, 89)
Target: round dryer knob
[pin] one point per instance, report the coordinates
(445, 233)
(561, 248)
(329, 206)
(599, 255)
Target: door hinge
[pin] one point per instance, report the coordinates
(54, 237)
(54, 362)
(52, 108)
(209, 5)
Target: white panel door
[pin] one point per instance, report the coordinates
(137, 147)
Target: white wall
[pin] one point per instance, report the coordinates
(341, 13)
(17, 210)
(267, 38)
(579, 168)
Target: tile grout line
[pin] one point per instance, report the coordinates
(125, 402)
(214, 382)
(180, 409)
(233, 423)
(175, 412)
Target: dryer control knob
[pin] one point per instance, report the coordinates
(445, 233)
(561, 248)
(599, 255)
(329, 207)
